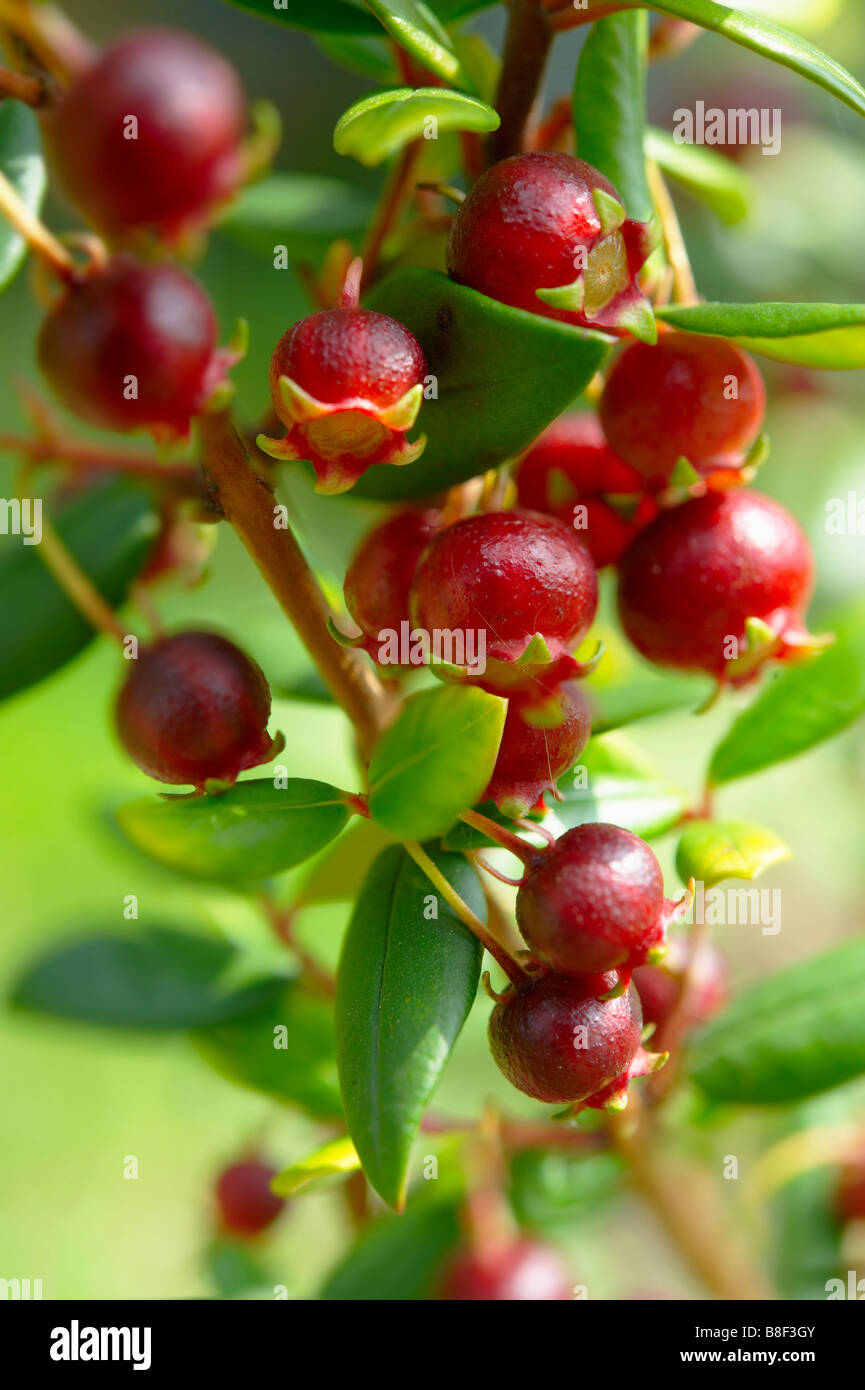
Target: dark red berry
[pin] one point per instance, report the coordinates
(533, 755)
(850, 1199)
(381, 572)
(691, 581)
(660, 987)
(516, 1272)
(348, 383)
(194, 708)
(133, 347)
(689, 397)
(244, 1200)
(150, 135)
(548, 233)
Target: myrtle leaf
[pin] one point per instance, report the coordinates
(710, 851)
(383, 123)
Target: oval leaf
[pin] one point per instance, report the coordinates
(801, 1032)
(243, 836)
(435, 760)
(614, 784)
(21, 161)
(336, 1159)
(303, 212)
(379, 125)
(829, 336)
(610, 103)
(399, 1258)
(318, 16)
(710, 851)
(416, 29)
(709, 176)
(405, 986)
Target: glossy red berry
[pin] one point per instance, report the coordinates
(660, 987)
(380, 575)
(150, 135)
(244, 1200)
(694, 578)
(533, 756)
(348, 383)
(850, 1199)
(548, 233)
(194, 708)
(701, 399)
(517, 1272)
(133, 347)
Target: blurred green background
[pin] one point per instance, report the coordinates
(76, 1102)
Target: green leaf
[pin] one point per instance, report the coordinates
(502, 375)
(548, 1188)
(336, 1159)
(383, 123)
(405, 986)
(803, 706)
(797, 1034)
(286, 1051)
(829, 336)
(616, 705)
(158, 979)
(807, 1235)
(21, 161)
(318, 16)
(338, 875)
(710, 851)
(109, 529)
(233, 1269)
(435, 760)
(709, 176)
(303, 212)
(242, 836)
(610, 103)
(359, 53)
(614, 784)
(399, 1259)
(416, 29)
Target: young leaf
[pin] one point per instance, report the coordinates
(709, 176)
(303, 212)
(802, 707)
(383, 123)
(500, 376)
(336, 1159)
(434, 760)
(612, 783)
(157, 979)
(241, 836)
(829, 336)
(610, 103)
(407, 980)
(21, 161)
(710, 851)
(798, 1033)
(416, 29)
(399, 1258)
(318, 16)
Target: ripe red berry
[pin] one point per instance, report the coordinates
(548, 233)
(850, 1201)
(348, 383)
(532, 756)
(132, 347)
(381, 572)
(691, 581)
(510, 578)
(689, 397)
(517, 1272)
(660, 987)
(194, 708)
(244, 1200)
(150, 135)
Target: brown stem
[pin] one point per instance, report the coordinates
(527, 46)
(527, 1134)
(31, 90)
(50, 37)
(247, 502)
(396, 194)
(564, 15)
(185, 478)
(282, 921)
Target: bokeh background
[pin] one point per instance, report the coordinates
(76, 1101)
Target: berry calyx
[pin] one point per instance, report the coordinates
(533, 755)
(133, 347)
(687, 397)
(664, 993)
(245, 1203)
(719, 584)
(348, 383)
(548, 233)
(194, 709)
(515, 1271)
(380, 575)
(151, 134)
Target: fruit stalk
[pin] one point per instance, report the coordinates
(684, 285)
(527, 46)
(77, 586)
(22, 88)
(34, 232)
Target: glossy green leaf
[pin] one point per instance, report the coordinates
(710, 851)
(383, 123)
(399, 1258)
(794, 1035)
(21, 161)
(338, 875)
(109, 529)
(610, 103)
(407, 980)
(361, 53)
(613, 783)
(155, 979)
(802, 707)
(616, 705)
(502, 375)
(286, 1051)
(303, 212)
(334, 1160)
(317, 16)
(713, 178)
(243, 836)
(419, 31)
(830, 336)
(435, 760)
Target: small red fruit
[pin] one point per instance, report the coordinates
(548, 233)
(660, 988)
(719, 584)
(517, 1272)
(194, 709)
(244, 1200)
(701, 399)
(150, 135)
(850, 1200)
(133, 347)
(532, 756)
(380, 575)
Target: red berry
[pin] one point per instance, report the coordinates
(132, 347)
(538, 223)
(150, 135)
(660, 987)
(348, 383)
(594, 901)
(850, 1200)
(518, 1272)
(692, 579)
(194, 708)
(245, 1202)
(674, 400)
(381, 572)
(532, 756)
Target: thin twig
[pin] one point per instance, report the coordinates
(396, 194)
(31, 90)
(34, 232)
(527, 47)
(77, 585)
(184, 477)
(684, 285)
